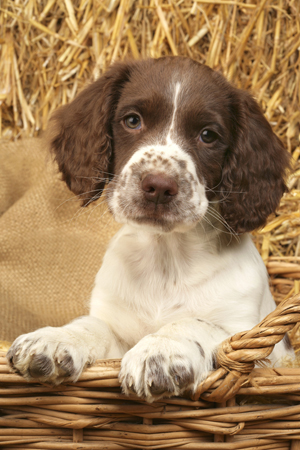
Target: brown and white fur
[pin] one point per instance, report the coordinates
(191, 165)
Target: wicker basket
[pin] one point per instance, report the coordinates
(236, 407)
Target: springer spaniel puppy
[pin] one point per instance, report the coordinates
(191, 165)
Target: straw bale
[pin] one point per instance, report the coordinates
(50, 50)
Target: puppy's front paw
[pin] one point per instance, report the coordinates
(48, 355)
(159, 366)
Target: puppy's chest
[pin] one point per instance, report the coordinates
(163, 265)
(163, 277)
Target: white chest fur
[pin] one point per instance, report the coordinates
(148, 280)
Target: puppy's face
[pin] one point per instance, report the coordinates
(171, 129)
(171, 135)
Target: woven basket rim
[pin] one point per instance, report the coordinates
(237, 357)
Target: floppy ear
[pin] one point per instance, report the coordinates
(81, 136)
(254, 170)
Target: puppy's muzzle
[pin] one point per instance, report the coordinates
(159, 188)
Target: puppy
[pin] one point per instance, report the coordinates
(191, 165)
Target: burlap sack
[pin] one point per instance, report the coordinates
(50, 247)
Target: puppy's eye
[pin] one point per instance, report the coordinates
(208, 136)
(133, 122)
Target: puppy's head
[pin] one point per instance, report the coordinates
(170, 136)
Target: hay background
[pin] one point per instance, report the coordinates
(51, 49)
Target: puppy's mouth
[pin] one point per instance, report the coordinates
(165, 217)
(159, 201)
(156, 223)
(161, 215)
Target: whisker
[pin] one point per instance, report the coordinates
(230, 192)
(98, 178)
(81, 211)
(212, 189)
(93, 210)
(216, 215)
(75, 197)
(208, 239)
(206, 219)
(106, 173)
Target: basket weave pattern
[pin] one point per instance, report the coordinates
(93, 413)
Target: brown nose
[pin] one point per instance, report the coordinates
(159, 188)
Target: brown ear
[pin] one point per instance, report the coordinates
(81, 136)
(254, 169)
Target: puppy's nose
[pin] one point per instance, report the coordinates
(159, 188)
